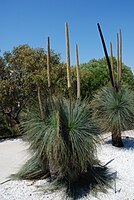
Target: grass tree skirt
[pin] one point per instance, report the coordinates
(64, 146)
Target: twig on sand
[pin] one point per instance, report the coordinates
(5, 181)
(108, 162)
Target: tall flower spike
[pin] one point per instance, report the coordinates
(68, 57)
(78, 73)
(112, 64)
(48, 63)
(106, 54)
(120, 61)
(117, 55)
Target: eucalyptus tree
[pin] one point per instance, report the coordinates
(26, 68)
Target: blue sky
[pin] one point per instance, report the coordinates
(32, 21)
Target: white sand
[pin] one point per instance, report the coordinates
(13, 154)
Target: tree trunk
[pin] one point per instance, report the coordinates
(116, 139)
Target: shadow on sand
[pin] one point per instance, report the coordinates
(127, 141)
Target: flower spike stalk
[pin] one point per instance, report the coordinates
(40, 103)
(112, 64)
(48, 64)
(117, 54)
(106, 55)
(68, 57)
(78, 73)
(120, 61)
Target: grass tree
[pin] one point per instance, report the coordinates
(113, 106)
(64, 144)
(114, 112)
(64, 149)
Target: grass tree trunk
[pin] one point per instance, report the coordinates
(116, 138)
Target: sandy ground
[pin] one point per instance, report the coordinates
(13, 154)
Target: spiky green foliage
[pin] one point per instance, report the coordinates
(65, 147)
(33, 169)
(114, 110)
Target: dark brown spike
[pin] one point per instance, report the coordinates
(106, 54)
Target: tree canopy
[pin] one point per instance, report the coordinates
(24, 68)
(95, 74)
